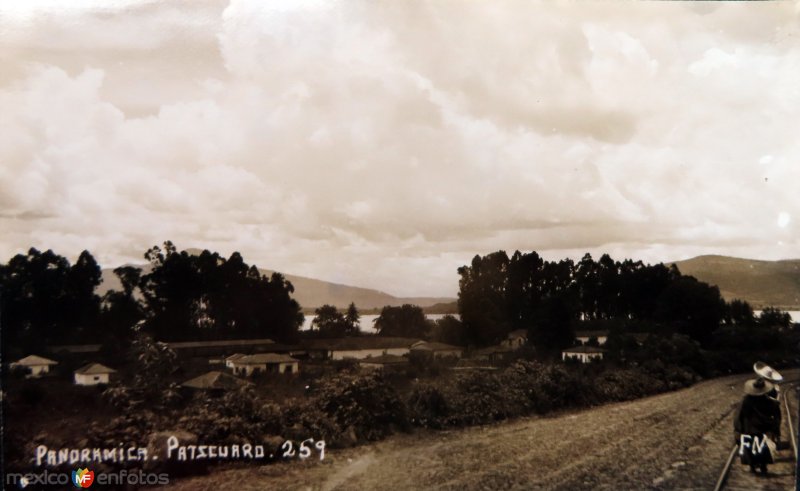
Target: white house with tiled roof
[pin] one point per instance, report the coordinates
(36, 365)
(93, 374)
(265, 363)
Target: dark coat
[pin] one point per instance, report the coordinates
(758, 415)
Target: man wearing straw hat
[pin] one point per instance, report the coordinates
(757, 420)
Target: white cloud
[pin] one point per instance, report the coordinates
(382, 145)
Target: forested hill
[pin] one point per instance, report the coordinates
(311, 293)
(760, 283)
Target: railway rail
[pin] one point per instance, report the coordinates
(784, 470)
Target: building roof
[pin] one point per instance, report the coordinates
(360, 343)
(434, 346)
(584, 349)
(384, 360)
(590, 334)
(263, 358)
(224, 343)
(33, 360)
(215, 380)
(518, 333)
(235, 357)
(75, 348)
(94, 369)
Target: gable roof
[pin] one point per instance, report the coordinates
(33, 360)
(262, 358)
(224, 343)
(584, 349)
(518, 333)
(75, 348)
(94, 369)
(360, 343)
(235, 357)
(215, 380)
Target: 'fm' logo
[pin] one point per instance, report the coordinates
(82, 478)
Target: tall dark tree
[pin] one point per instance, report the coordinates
(553, 328)
(482, 300)
(739, 313)
(776, 318)
(352, 318)
(329, 322)
(692, 308)
(45, 300)
(449, 330)
(121, 311)
(406, 321)
(204, 296)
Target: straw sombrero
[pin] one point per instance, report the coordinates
(757, 387)
(766, 371)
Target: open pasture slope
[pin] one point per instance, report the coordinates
(678, 440)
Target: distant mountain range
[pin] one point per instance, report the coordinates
(760, 283)
(311, 293)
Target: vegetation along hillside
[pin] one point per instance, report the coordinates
(760, 283)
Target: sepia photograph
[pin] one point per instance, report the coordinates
(357, 245)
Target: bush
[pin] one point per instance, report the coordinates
(365, 405)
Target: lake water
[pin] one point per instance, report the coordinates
(794, 313)
(367, 322)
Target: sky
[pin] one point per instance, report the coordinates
(384, 144)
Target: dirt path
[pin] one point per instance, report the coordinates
(671, 441)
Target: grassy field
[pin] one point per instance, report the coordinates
(677, 440)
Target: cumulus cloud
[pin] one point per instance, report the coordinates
(384, 144)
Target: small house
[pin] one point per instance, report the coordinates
(215, 382)
(229, 360)
(583, 353)
(93, 374)
(265, 363)
(36, 365)
(358, 348)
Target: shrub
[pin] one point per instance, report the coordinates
(365, 404)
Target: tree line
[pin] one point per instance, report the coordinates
(498, 294)
(180, 296)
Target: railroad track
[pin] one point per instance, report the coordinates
(784, 470)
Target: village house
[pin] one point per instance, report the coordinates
(265, 363)
(93, 374)
(219, 348)
(435, 350)
(35, 365)
(583, 353)
(229, 360)
(583, 337)
(215, 382)
(358, 347)
(515, 339)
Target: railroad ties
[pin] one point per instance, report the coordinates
(781, 475)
